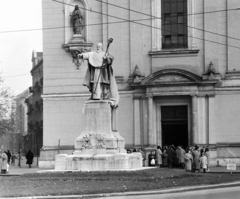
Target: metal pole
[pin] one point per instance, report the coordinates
(19, 156)
(58, 146)
(37, 155)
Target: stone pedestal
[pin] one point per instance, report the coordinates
(99, 121)
(99, 146)
(77, 38)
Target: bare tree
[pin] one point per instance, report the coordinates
(7, 108)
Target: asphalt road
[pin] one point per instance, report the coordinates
(220, 193)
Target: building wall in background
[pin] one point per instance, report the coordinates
(173, 73)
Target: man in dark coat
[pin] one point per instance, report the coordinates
(9, 156)
(29, 157)
(170, 156)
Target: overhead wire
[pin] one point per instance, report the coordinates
(154, 17)
(49, 28)
(17, 75)
(146, 24)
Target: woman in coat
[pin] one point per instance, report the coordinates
(196, 159)
(165, 157)
(181, 157)
(29, 157)
(4, 158)
(188, 161)
(152, 159)
(159, 156)
(207, 152)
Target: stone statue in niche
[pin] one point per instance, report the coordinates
(99, 76)
(77, 20)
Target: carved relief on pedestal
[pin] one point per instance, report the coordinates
(92, 141)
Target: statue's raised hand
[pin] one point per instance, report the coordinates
(80, 56)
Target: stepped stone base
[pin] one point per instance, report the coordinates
(98, 162)
(99, 147)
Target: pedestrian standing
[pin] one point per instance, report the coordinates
(143, 155)
(13, 158)
(165, 157)
(159, 156)
(175, 157)
(207, 152)
(203, 162)
(4, 158)
(170, 156)
(19, 158)
(196, 156)
(29, 157)
(188, 161)
(152, 159)
(9, 157)
(181, 157)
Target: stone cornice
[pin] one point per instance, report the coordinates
(174, 52)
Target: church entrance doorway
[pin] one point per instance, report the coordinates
(174, 120)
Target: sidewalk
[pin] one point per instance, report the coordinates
(223, 170)
(15, 170)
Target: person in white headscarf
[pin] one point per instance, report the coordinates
(4, 159)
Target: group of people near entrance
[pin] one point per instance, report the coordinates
(192, 159)
(7, 158)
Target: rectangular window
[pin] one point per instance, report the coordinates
(174, 24)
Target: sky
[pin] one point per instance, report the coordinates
(16, 47)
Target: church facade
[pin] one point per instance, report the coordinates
(176, 67)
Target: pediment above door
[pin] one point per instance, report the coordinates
(168, 77)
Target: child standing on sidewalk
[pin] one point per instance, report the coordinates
(203, 162)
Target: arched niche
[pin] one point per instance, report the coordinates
(68, 9)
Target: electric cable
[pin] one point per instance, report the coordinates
(154, 17)
(50, 28)
(17, 75)
(145, 24)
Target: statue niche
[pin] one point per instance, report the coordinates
(76, 29)
(77, 21)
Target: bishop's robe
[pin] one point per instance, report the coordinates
(99, 77)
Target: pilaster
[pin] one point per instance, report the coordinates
(150, 120)
(137, 123)
(212, 129)
(195, 119)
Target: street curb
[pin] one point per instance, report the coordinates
(10, 175)
(153, 192)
